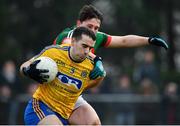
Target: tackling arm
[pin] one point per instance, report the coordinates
(97, 74)
(136, 41)
(93, 83)
(128, 41)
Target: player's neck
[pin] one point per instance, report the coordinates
(72, 56)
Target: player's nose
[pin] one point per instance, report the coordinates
(94, 30)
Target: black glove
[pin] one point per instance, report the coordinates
(158, 42)
(35, 74)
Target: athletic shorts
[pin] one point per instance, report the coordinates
(37, 110)
(80, 101)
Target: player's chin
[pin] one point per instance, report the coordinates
(82, 58)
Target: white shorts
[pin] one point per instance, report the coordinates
(80, 101)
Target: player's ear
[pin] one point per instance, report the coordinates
(73, 41)
(78, 22)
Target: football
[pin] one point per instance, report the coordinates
(49, 64)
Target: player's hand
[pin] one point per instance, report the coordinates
(35, 74)
(158, 42)
(98, 70)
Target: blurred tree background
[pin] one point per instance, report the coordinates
(27, 26)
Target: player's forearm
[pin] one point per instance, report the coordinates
(25, 64)
(94, 83)
(128, 41)
(92, 55)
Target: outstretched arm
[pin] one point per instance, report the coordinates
(97, 74)
(128, 41)
(136, 41)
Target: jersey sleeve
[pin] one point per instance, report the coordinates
(103, 39)
(108, 41)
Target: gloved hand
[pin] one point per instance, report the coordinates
(35, 74)
(158, 42)
(98, 70)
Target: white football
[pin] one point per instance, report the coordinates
(49, 64)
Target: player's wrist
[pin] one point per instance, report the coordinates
(150, 40)
(97, 58)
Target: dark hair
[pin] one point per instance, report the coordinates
(89, 12)
(77, 34)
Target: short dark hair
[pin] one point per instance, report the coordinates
(89, 12)
(79, 31)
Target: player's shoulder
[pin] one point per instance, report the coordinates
(67, 32)
(63, 47)
(53, 49)
(69, 29)
(101, 33)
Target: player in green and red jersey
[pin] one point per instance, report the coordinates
(103, 40)
(91, 18)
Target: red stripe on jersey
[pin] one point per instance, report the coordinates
(54, 43)
(92, 50)
(108, 41)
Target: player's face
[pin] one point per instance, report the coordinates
(93, 24)
(81, 48)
